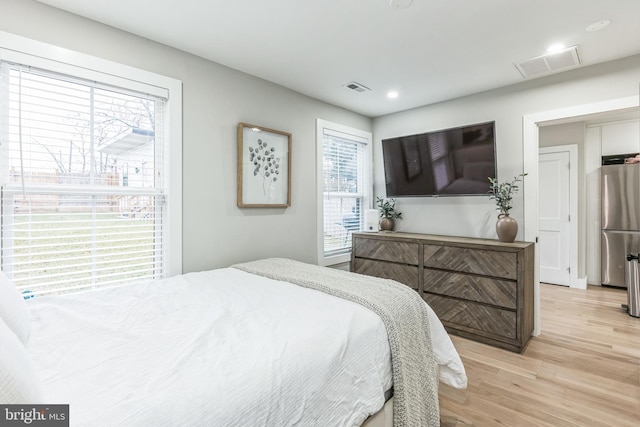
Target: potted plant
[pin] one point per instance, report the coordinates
(388, 213)
(502, 193)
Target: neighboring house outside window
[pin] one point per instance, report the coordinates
(344, 188)
(85, 176)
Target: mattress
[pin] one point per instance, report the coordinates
(221, 347)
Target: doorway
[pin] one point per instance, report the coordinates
(530, 124)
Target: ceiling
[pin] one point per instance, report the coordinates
(430, 51)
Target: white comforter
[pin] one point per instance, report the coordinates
(217, 348)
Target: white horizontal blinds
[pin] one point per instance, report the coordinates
(343, 190)
(82, 200)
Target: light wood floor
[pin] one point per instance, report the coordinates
(582, 370)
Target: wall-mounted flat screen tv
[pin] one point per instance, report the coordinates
(449, 162)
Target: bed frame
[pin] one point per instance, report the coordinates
(382, 418)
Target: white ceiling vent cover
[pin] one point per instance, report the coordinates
(549, 63)
(355, 86)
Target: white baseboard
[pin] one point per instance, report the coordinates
(581, 283)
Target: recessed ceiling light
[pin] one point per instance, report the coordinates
(597, 26)
(392, 94)
(555, 48)
(400, 4)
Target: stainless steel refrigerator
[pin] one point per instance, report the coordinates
(620, 185)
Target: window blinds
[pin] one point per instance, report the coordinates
(343, 191)
(83, 200)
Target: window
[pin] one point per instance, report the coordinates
(87, 198)
(344, 188)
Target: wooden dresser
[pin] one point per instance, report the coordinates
(480, 289)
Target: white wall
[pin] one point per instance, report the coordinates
(476, 216)
(215, 98)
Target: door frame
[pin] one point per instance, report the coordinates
(573, 208)
(530, 140)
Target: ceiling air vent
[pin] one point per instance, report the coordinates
(355, 86)
(549, 63)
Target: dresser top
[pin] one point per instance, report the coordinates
(394, 235)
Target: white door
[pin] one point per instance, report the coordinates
(554, 218)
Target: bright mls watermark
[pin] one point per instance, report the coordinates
(34, 415)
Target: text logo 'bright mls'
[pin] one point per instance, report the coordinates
(37, 415)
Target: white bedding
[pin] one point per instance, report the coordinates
(222, 347)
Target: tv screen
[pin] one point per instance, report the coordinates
(457, 161)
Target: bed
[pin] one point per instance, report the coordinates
(236, 346)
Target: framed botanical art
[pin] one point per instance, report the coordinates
(264, 167)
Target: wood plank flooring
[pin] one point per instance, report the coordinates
(582, 370)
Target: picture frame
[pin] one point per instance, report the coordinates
(264, 167)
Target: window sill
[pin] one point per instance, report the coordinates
(335, 260)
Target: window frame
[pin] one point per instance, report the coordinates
(365, 177)
(59, 60)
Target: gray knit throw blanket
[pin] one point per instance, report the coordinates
(415, 384)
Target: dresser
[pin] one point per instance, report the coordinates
(480, 289)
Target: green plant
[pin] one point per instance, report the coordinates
(502, 192)
(387, 208)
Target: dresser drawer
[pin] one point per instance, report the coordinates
(474, 317)
(471, 260)
(481, 289)
(403, 273)
(488, 290)
(404, 252)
